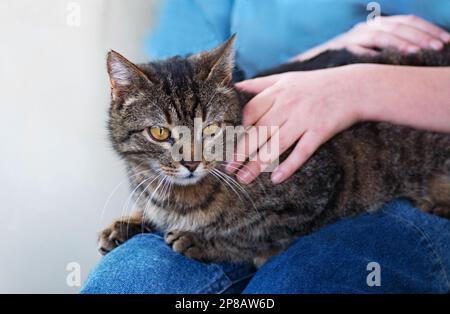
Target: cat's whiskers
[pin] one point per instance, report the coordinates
(164, 192)
(222, 180)
(137, 200)
(116, 188)
(125, 209)
(231, 181)
(257, 179)
(129, 198)
(163, 183)
(143, 191)
(242, 162)
(237, 184)
(149, 200)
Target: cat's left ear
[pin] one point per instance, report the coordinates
(217, 64)
(124, 76)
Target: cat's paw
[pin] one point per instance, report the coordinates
(186, 243)
(117, 233)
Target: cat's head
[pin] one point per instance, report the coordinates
(151, 101)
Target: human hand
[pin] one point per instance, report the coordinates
(407, 33)
(309, 108)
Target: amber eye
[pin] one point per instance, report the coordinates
(211, 129)
(159, 133)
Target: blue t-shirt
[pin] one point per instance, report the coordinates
(269, 32)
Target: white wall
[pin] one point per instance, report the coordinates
(56, 165)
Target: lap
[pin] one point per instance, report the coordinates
(411, 248)
(146, 264)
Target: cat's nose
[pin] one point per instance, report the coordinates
(190, 165)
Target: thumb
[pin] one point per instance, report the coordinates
(257, 85)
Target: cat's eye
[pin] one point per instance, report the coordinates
(211, 129)
(159, 133)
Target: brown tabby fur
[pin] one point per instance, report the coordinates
(357, 171)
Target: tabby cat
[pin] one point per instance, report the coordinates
(197, 206)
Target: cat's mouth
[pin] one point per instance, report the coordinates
(183, 176)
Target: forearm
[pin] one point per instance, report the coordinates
(414, 96)
(333, 44)
(315, 51)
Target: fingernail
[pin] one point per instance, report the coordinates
(412, 49)
(244, 177)
(277, 176)
(445, 37)
(229, 167)
(240, 85)
(436, 45)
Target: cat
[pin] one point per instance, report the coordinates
(207, 215)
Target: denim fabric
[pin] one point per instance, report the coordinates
(269, 32)
(411, 247)
(145, 264)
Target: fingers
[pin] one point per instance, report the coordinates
(257, 107)
(259, 84)
(425, 26)
(258, 112)
(415, 36)
(382, 39)
(360, 50)
(304, 149)
(255, 138)
(263, 129)
(249, 172)
(262, 102)
(415, 30)
(268, 153)
(408, 34)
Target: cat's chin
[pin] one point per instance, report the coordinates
(185, 181)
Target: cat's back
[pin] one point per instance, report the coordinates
(360, 168)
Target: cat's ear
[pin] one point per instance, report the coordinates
(217, 64)
(124, 76)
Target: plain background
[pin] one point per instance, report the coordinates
(57, 168)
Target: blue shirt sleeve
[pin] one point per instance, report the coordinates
(189, 26)
(269, 32)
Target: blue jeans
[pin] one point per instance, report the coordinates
(395, 250)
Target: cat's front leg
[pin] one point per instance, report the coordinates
(196, 246)
(120, 231)
(187, 243)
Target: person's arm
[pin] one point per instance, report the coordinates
(406, 33)
(311, 107)
(414, 96)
